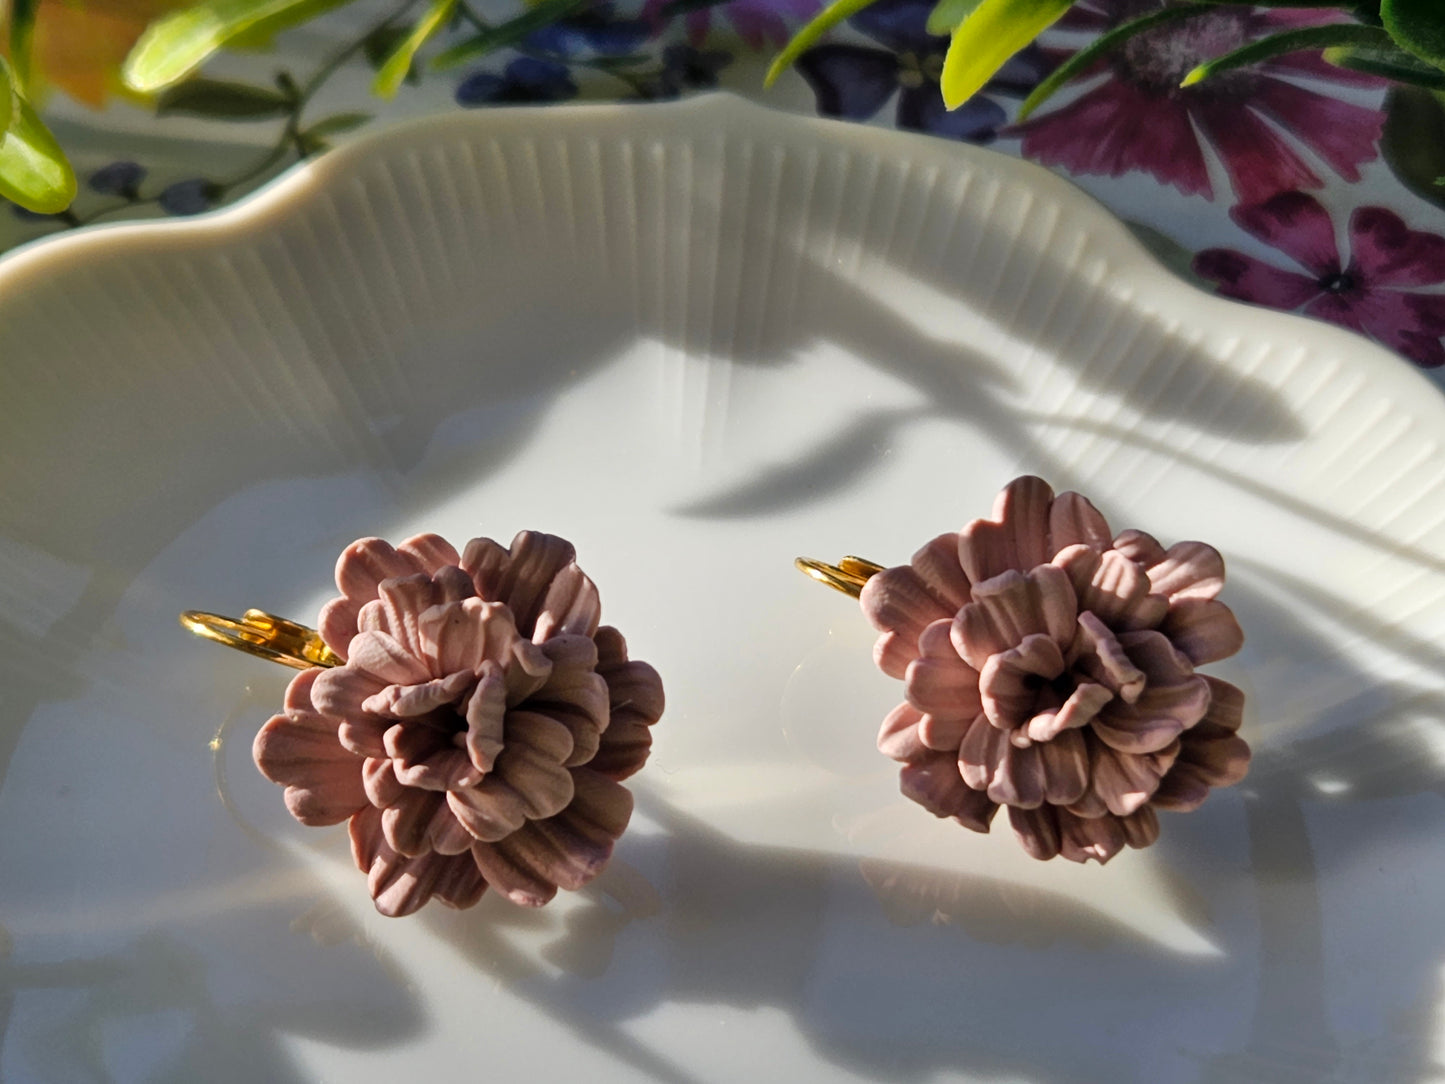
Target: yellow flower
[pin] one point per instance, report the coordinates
(79, 45)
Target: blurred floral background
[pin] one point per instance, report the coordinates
(1281, 154)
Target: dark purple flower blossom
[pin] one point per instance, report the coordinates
(1367, 293)
(118, 179)
(759, 23)
(189, 197)
(525, 79)
(855, 81)
(684, 68)
(593, 30)
(1140, 119)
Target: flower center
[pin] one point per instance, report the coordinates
(916, 71)
(1341, 282)
(1160, 58)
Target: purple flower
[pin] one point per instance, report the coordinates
(118, 179)
(189, 197)
(526, 79)
(855, 82)
(1367, 294)
(758, 22)
(593, 30)
(1140, 119)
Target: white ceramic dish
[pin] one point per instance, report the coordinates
(699, 340)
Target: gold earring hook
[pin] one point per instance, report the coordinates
(264, 635)
(848, 575)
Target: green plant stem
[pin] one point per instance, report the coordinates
(288, 142)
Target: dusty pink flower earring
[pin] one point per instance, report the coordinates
(1048, 667)
(466, 714)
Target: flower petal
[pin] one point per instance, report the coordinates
(898, 603)
(397, 608)
(405, 822)
(1037, 830)
(849, 81)
(1141, 828)
(1097, 654)
(921, 109)
(1112, 587)
(341, 690)
(1096, 838)
(1245, 278)
(1345, 135)
(942, 576)
(410, 701)
(536, 560)
(400, 885)
(981, 752)
(1066, 767)
(1085, 702)
(1386, 252)
(486, 562)
(300, 750)
(934, 783)
(1139, 546)
(899, 737)
(1187, 570)
(382, 657)
(1124, 781)
(1259, 161)
(1204, 629)
(1158, 717)
(1098, 133)
(490, 811)
(572, 607)
(938, 681)
(1014, 539)
(431, 551)
(1298, 225)
(486, 712)
(365, 563)
(1010, 607)
(1074, 521)
(1009, 682)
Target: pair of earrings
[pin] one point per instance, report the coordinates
(471, 719)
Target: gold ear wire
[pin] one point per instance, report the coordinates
(264, 635)
(848, 575)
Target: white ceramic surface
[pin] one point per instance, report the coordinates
(698, 340)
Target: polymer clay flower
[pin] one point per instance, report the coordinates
(478, 730)
(1049, 667)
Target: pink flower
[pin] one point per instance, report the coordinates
(479, 727)
(758, 22)
(1365, 295)
(1049, 669)
(1140, 119)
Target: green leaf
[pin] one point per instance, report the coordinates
(381, 43)
(222, 100)
(544, 14)
(336, 124)
(983, 44)
(1291, 41)
(7, 98)
(22, 31)
(947, 14)
(1413, 143)
(1389, 61)
(1417, 25)
(34, 171)
(1085, 58)
(173, 47)
(809, 35)
(389, 79)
